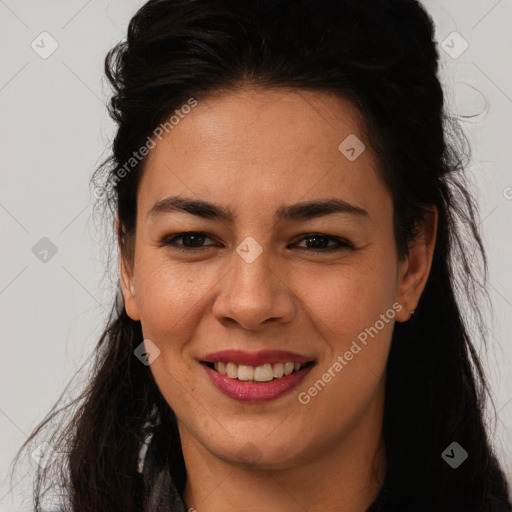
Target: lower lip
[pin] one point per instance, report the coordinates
(256, 391)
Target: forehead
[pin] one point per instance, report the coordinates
(261, 146)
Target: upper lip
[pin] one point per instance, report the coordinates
(256, 358)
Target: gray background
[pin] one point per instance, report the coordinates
(55, 130)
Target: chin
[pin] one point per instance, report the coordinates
(257, 453)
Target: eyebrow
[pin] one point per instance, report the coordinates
(298, 211)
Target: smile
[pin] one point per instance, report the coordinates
(262, 373)
(256, 377)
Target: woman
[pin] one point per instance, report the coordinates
(289, 334)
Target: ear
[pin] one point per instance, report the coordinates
(415, 269)
(126, 276)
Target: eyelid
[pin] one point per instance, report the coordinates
(170, 240)
(341, 243)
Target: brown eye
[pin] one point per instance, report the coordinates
(192, 241)
(316, 242)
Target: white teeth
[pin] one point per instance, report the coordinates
(262, 373)
(232, 370)
(245, 372)
(278, 370)
(288, 368)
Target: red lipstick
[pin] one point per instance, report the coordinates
(256, 391)
(251, 391)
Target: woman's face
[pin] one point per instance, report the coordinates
(250, 283)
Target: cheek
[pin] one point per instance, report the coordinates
(354, 311)
(352, 297)
(170, 297)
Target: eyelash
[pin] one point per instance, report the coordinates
(342, 244)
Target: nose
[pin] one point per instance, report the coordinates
(253, 294)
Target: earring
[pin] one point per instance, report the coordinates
(412, 313)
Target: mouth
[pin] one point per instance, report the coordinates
(266, 372)
(256, 377)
